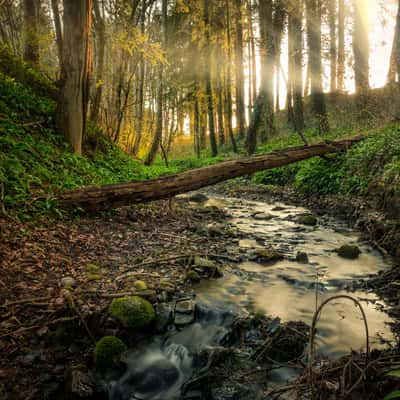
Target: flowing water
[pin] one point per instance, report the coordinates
(289, 290)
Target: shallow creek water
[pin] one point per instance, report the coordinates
(287, 289)
(290, 290)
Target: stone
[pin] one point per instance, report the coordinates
(350, 252)
(140, 285)
(268, 254)
(184, 312)
(164, 313)
(262, 216)
(302, 257)
(108, 351)
(79, 384)
(68, 282)
(308, 219)
(132, 312)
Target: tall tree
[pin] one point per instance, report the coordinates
(55, 7)
(296, 18)
(239, 69)
(361, 48)
(333, 47)
(267, 66)
(208, 84)
(341, 50)
(155, 145)
(100, 28)
(313, 9)
(394, 67)
(75, 71)
(31, 36)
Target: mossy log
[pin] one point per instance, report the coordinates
(112, 196)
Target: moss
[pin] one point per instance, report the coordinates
(140, 285)
(193, 276)
(351, 252)
(268, 255)
(92, 267)
(107, 351)
(133, 312)
(309, 220)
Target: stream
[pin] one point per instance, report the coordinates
(285, 290)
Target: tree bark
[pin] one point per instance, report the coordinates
(75, 70)
(111, 196)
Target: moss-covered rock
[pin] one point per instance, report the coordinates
(133, 312)
(309, 220)
(140, 285)
(193, 276)
(268, 254)
(351, 252)
(107, 351)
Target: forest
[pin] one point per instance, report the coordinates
(199, 199)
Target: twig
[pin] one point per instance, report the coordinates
(313, 331)
(24, 301)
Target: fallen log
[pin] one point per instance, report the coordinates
(122, 194)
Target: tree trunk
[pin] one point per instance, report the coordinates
(313, 8)
(341, 51)
(111, 196)
(57, 25)
(220, 108)
(101, 43)
(209, 93)
(297, 18)
(239, 76)
(394, 68)
(75, 69)
(267, 68)
(140, 94)
(333, 48)
(31, 48)
(228, 81)
(160, 95)
(361, 49)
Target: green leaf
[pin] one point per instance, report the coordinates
(393, 395)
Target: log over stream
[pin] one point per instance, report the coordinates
(112, 196)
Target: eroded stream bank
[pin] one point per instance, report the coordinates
(239, 333)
